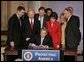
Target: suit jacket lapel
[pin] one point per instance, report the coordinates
(17, 21)
(68, 23)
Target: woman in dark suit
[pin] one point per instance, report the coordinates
(54, 29)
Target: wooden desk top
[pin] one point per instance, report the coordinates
(70, 52)
(11, 51)
(14, 51)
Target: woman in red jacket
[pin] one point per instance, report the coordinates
(54, 29)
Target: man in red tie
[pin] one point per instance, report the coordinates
(31, 22)
(31, 27)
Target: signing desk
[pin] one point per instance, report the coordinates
(70, 55)
(9, 52)
(13, 52)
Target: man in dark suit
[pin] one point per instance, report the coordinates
(44, 39)
(42, 17)
(15, 31)
(72, 32)
(31, 27)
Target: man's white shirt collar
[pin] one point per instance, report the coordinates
(69, 17)
(32, 20)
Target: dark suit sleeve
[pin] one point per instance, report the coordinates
(75, 27)
(24, 25)
(10, 31)
(46, 18)
(37, 27)
(48, 41)
(36, 40)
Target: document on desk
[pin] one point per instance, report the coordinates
(41, 55)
